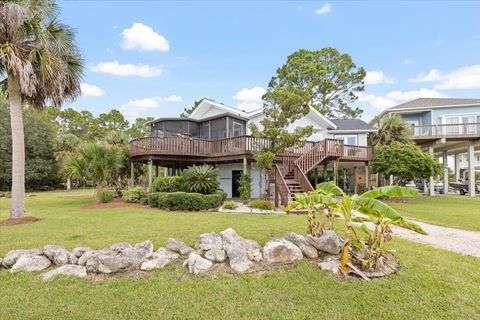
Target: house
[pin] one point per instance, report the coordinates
(445, 127)
(219, 135)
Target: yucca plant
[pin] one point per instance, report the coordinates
(200, 179)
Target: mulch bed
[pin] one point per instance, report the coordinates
(14, 222)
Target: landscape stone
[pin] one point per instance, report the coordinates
(254, 250)
(327, 242)
(67, 270)
(73, 259)
(208, 241)
(178, 246)
(79, 251)
(196, 264)
(31, 263)
(82, 261)
(146, 246)
(215, 255)
(12, 256)
(307, 249)
(161, 258)
(281, 251)
(57, 254)
(236, 249)
(120, 246)
(332, 266)
(113, 261)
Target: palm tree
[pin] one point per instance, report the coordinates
(39, 61)
(390, 129)
(66, 144)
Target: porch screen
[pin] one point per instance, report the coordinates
(218, 128)
(176, 128)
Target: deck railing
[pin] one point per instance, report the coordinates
(242, 145)
(446, 130)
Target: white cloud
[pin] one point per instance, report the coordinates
(377, 77)
(91, 90)
(393, 98)
(326, 8)
(249, 106)
(408, 61)
(139, 70)
(249, 98)
(133, 108)
(463, 78)
(143, 38)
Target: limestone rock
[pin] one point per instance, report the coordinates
(327, 242)
(73, 259)
(67, 270)
(236, 249)
(254, 250)
(307, 249)
(31, 263)
(79, 251)
(196, 264)
(146, 246)
(57, 254)
(332, 266)
(178, 246)
(161, 258)
(281, 251)
(113, 261)
(208, 241)
(11, 258)
(120, 246)
(216, 255)
(82, 261)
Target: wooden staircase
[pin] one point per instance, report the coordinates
(290, 177)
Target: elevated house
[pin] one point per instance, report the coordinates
(445, 127)
(219, 135)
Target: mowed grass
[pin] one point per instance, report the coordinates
(452, 211)
(433, 284)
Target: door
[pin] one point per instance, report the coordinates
(236, 183)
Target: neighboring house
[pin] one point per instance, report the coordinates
(445, 127)
(219, 135)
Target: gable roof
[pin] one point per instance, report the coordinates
(425, 103)
(352, 125)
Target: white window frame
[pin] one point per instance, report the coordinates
(234, 123)
(345, 138)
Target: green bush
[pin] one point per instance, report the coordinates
(245, 187)
(230, 205)
(167, 184)
(185, 201)
(104, 195)
(262, 204)
(200, 179)
(133, 195)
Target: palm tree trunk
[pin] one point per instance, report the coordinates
(69, 184)
(17, 209)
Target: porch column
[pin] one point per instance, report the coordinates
(471, 169)
(457, 167)
(445, 172)
(431, 184)
(156, 170)
(335, 171)
(150, 177)
(344, 179)
(367, 176)
(245, 166)
(316, 178)
(355, 180)
(325, 171)
(132, 174)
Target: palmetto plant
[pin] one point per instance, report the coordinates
(201, 179)
(39, 61)
(358, 208)
(390, 129)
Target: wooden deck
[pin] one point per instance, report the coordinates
(446, 131)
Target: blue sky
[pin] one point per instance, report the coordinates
(150, 58)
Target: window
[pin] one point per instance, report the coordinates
(237, 129)
(348, 139)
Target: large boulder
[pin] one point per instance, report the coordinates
(307, 249)
(57, 254)
(236, 249)
(82, 261)
(146, 246)
(178, 246)
(79, 251)
(66, 270)
(196, 264)
(31, 263)
(12, 256)
(328, 242)
(113, 261)
(161, 258)
(281, 251)
(212, 246)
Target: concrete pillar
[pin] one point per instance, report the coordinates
(390, 180)
(150, 176)
(445, 172)
(245, 166)
(367, 176)
(132, 174)
(471, 169)
(431, 184)
(457, 167)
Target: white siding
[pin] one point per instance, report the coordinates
(225, 178)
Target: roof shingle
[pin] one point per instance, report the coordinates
(351, 124)
(434, 102)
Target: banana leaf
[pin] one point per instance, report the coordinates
(329, 188)
(390, 191)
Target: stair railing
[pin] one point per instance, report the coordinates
(281, 186)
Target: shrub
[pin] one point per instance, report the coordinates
(133, 195)
(185, 201)
(214, 200)
(230, 205)
(245, 187)
(200, 179)
(104, 195)
(262, 204)
(167, 184)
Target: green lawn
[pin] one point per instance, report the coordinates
(433, 284)
(453, 211)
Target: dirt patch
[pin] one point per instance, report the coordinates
(14, 222)
(116, 203)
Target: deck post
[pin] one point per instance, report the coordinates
(457, 167)
(471, 169)
(325, 171)
(156, 170)
(355, 187)
(431, 184)
(132, 174)
(367, 176)
(316, 177)
(245, 166)
(335, 171)
(445, 172)
(150, 177)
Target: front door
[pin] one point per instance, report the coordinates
(236, 183)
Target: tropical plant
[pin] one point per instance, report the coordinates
(133, 195)
(96, 163)
(167, 184)
(201, 179)
(370, 249)
(390, 129)
(104, 195)
(231, 205)
(261, 204)
(41, 62)
(245, 187)
(66, 145)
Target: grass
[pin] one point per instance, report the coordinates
(452, 211)
(433, 284)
